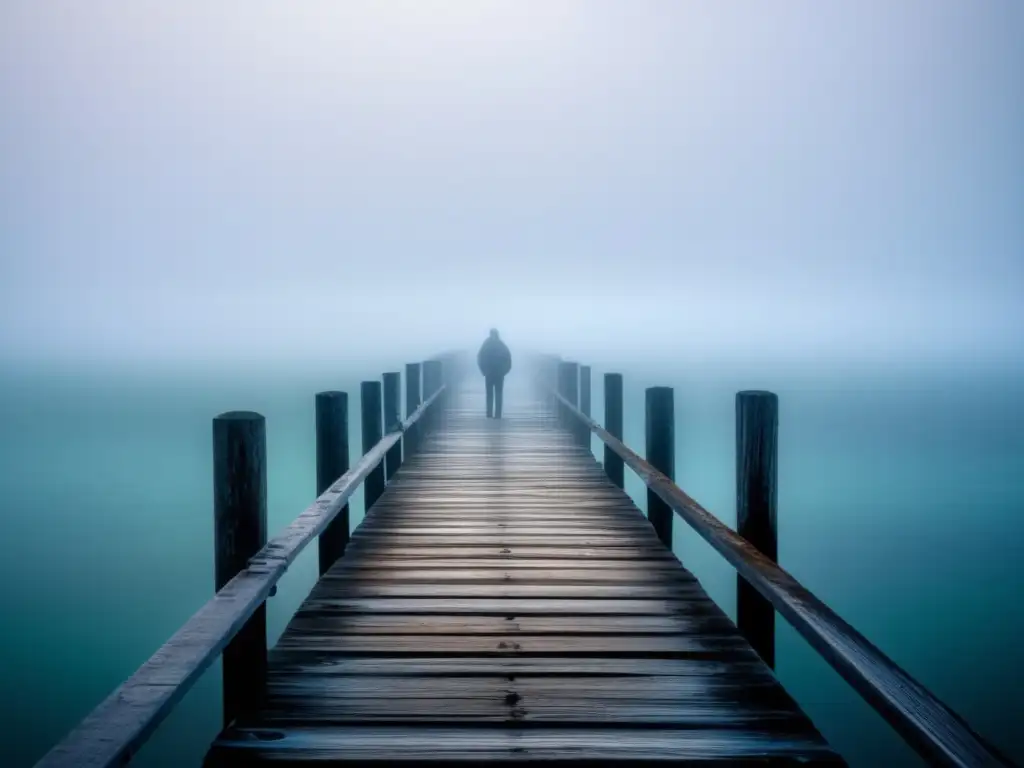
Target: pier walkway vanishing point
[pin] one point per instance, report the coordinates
(504, 599)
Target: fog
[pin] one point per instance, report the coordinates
(265, 180)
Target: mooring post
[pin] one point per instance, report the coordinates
(373, 431)
(432, 373)
(552, 374)
(568, 388)
(585, 405)
(757, 439)
(573, 395)
(392, 422)
(240, 531)
(331, 463)
(412, 402)
(661, 454)
(552, 379)
(585, 389)
(556, 383)
(613, 464)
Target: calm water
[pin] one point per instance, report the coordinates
(901, 505)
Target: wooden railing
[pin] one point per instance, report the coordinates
(233, 620)
(937, 733)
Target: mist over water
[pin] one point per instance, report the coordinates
(900, 501)
(210, 206)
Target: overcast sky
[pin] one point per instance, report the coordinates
(198, 178)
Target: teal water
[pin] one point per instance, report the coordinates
(901, 500)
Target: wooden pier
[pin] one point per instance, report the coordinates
(504, 599)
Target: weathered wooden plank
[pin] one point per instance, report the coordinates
(388, 550)
(440, 576)
(504, 607)
(444, 710)
(689, 690)
(655, 646)
(502, 516)
(750, 669)
(316, 621)
(501, 541)
(533, 537)
(730, 686)
(557, 591)
(604, 745)
(373, 562)
(411, 530)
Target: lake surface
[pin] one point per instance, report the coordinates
(901, 504)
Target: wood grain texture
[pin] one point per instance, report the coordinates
(503, 600)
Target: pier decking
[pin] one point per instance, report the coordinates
(503, 600)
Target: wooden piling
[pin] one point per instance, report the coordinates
(757, 435)
(392, 421)
(332, 461)
(432, 373)
(613, 464)
(585, 405)
(412, 402)
(552, 379)
(373, 431)
(585, 389)
(240, 531)
(569, 388)
(660, 429)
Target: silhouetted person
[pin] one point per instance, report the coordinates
(495, 362)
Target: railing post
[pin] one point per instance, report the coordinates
(556, 383)
(661, 451)
(613, 464)
(240, 530)
(585, 405)
(369, 396)
(585, 389)
(392, 421)
(552, 374)
(332, 462)
(412, 402)
(757, 437)
(432, 373)
(569, 388)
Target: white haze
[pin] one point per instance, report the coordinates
(267, 180)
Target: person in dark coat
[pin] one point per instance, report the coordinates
(495, 361)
